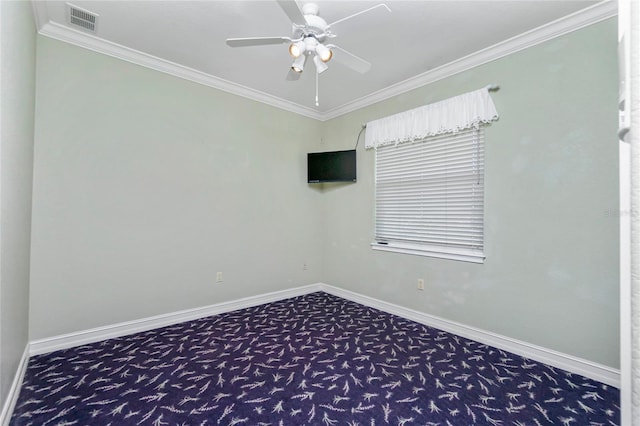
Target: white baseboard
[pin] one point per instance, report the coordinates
(592, 370)
(14, 391)
(84, 337)
(560, 360)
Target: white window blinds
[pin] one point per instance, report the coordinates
(430, 196)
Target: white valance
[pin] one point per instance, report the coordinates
(448, 116)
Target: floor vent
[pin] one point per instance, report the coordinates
(82, 18)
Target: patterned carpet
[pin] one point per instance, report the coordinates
(311, 360)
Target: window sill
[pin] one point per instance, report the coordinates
(460, 255)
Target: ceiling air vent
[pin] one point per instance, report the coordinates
(82, 18)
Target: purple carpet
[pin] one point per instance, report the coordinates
(311, 360)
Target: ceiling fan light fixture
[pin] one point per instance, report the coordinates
(324, 52)
(298, 64)
(320, 65)
(296, 49)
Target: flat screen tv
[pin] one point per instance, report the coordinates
(334, 166)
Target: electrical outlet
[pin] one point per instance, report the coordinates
(218, 277)
(420, 284)
(305, 267)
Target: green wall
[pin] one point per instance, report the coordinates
(17, 94)
(551, 239)
(146, 185)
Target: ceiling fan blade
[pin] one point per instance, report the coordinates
(350, 60)
(257, 41)
(293, 11)
(380, 7)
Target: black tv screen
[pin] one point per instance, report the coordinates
(334, 166)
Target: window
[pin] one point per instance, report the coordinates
(429, 196)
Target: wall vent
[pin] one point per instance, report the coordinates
(82, 18)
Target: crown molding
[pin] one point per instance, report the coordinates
(40, 13)
(559, 27)
(96, 44)
(583, 18)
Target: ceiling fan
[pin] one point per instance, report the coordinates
(309, 36)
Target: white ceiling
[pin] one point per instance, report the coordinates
(418, 42)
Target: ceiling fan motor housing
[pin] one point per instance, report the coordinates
(315, 25)
(311, 34)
